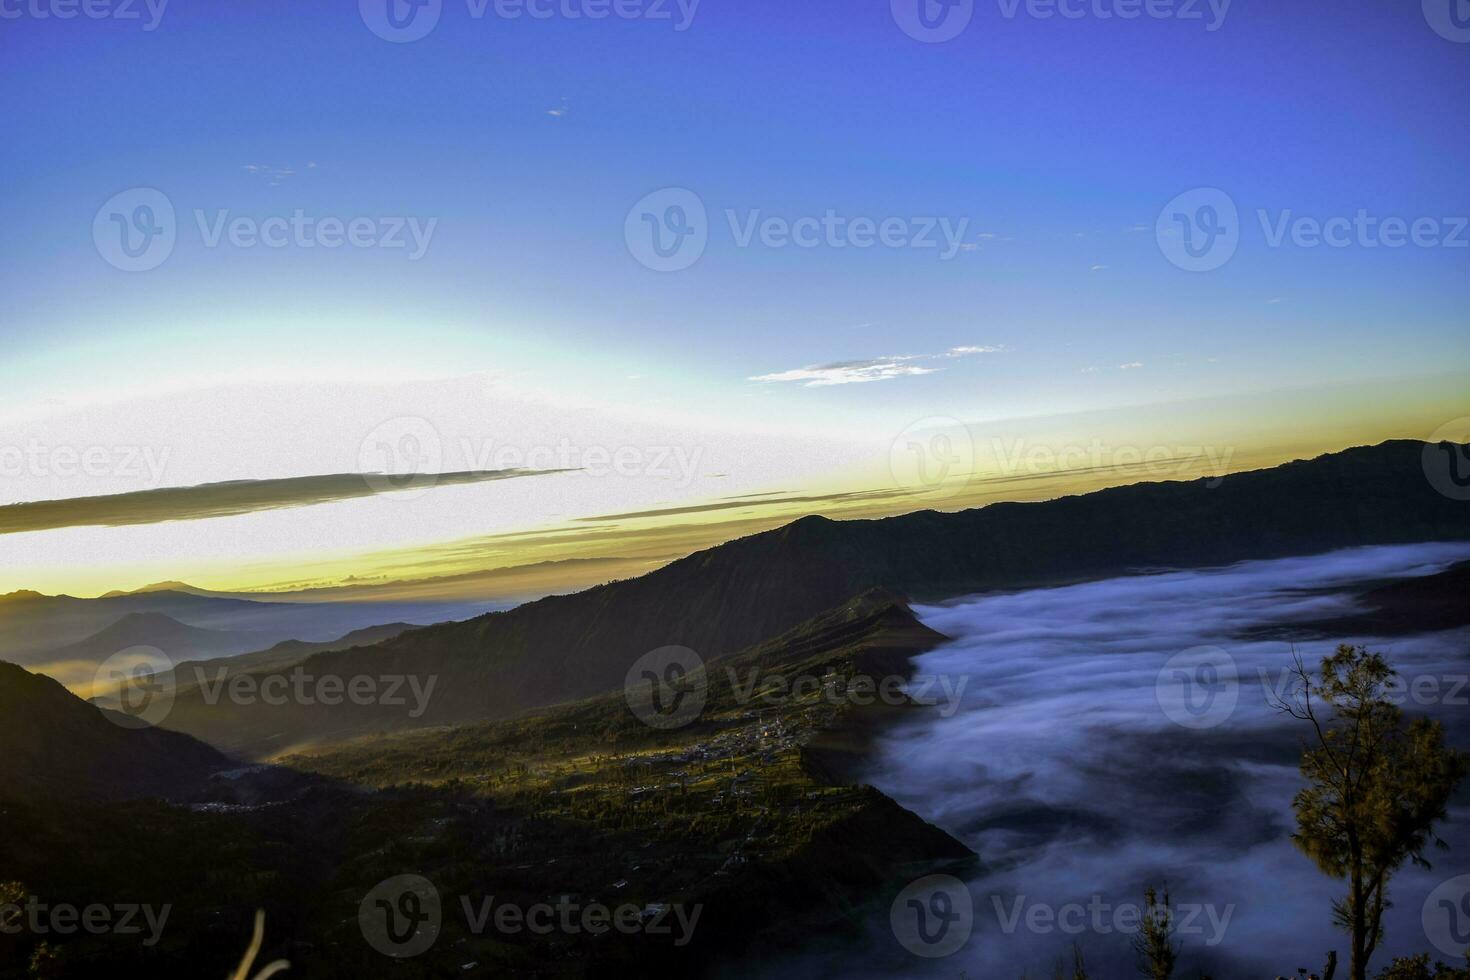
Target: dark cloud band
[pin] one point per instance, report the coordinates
(227, 499)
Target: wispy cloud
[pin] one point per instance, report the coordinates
(873, 369)
(848, 372)
(1130, 365)
(274, 176)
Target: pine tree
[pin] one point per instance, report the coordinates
(1375, 787)
(1157, 953)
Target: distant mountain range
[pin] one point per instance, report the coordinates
(66, 636)
(733, 596)
(75, 663)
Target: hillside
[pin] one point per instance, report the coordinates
(1440, 601)
(732, 596)
(734, 811)
(283, 654)
(57, 745)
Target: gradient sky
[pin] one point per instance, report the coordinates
(527, 319)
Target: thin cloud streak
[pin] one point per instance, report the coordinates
(872, 369)
(226, 499)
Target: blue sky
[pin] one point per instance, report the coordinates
(1057, 141)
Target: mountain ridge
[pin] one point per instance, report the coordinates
(729, 597)
(59, 746)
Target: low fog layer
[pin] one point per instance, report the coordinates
(1063, 769)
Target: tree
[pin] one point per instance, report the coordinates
(1375, 787)
(1079, 969)
(1154, 943)
(1418, 968)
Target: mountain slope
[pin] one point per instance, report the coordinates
(282, 655)
(733, 596)
(57, 745)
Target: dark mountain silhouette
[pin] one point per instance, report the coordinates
(733, 596)
(1418, 605)
(160, 587)
(57, 745)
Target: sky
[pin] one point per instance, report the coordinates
(1090, 232)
